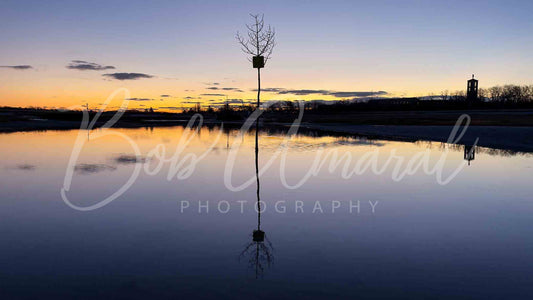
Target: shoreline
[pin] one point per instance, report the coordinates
(512, 138)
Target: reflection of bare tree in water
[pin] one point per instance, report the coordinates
(259, 251)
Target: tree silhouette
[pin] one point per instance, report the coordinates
(258, 43)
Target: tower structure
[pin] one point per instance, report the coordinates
(472, 89)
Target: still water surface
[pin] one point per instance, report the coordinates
(414, 238)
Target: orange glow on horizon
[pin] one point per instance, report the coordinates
(63, 89)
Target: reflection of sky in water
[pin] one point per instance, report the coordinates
(470, 236)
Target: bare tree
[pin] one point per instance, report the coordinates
(495, 93)
(444, 95)
(259, 42)
(483, 94)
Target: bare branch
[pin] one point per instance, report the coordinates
(260, 39)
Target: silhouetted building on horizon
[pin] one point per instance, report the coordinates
(472, 89)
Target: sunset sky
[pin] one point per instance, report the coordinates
(64, 53)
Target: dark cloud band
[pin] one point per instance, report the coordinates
(140, 99)
(18, 67)
(215, 95)
(87, 66)
(127, 76)
(302, 92)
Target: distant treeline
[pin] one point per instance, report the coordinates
(501, 94)
(507, 96)
(498, 97)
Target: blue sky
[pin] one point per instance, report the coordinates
(402, 47)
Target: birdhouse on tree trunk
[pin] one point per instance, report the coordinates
(258, 62)
(258, 236)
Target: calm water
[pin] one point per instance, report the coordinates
(471, 238)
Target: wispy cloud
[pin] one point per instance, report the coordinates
(125, 159)
(357, 94)
(165, 96)
(87, 66)
(140, 99)
(214, 88)
(127, 76)
(18, 67)
(214, 95)
(303, 92)
(85, 169)
(170, 107)
(270, 90)
(230, 101)
(26, 167)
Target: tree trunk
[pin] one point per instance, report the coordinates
(258, 86)
(257, 148)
